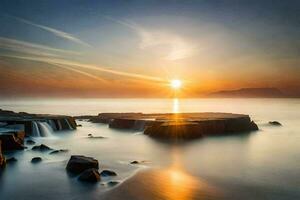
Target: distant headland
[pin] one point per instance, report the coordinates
(250, 93)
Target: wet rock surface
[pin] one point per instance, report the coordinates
(179, 125)
(11, 160)
(28, 122)
(90, 175)
(12, 140)
(36, 160)
(112, 183)
(275, 123)
(59, 151)
(2, 159)
(108, 173)
(41, 147)
(78, 163)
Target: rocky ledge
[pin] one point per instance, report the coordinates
(34, 124)
(179, 125)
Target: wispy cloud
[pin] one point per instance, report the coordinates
(81, 72)
(56, 32)
(33, 48)
(179, 47)
(86, 66)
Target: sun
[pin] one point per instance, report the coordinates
(176, 84)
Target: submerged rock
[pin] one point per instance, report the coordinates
(36, 160)
(78, 163)
(12, 140)
(95, 137)
(90, 175)
(41, 147)
(275, 123)
(11, 160)
(108, 173)
(59, 151)
(112, 183)
(30, 142)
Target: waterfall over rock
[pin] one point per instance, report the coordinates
(41, 129)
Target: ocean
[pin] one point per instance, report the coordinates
(261, 165)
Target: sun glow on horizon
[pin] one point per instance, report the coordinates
(176, 84)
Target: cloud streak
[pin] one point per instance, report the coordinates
(86, 66)
(32, 48)
(80, 72)
(56, 32)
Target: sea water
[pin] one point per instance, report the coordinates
(261, 165)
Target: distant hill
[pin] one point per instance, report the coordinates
(249, 93)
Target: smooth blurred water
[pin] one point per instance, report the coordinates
(261, 165)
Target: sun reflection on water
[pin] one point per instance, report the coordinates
(175, 105)
(176, 184)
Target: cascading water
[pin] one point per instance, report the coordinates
(69, 125)
(41, 129)
(52, 124)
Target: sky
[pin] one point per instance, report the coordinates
(134, 48)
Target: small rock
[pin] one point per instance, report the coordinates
(90, 135)
(36, 160)
(275, 123)
(77, 164)
(59, 151)
(41, 147)
(112, 183)
(90, 175)
(108, 173)
(11, 160)
(134, 162)
(79, 125)
(30, 142)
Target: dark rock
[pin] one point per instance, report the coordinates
(108, 173)
(112, 183)
(122, 123)
(77, 164)
(12, 140)
(134, 162)
(90, 175)
(59, 151)
(30, 142)
(11, 160)
(36, 160)
(41, 147)
(275, 123)
(95, 137)
(79, 125)
(2, 159)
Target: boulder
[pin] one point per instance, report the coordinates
(11, 160)
(90, 175)
(12, 140)
(108, 173)
(275, 123)
(78, 163)
(36, 160)
(2, 159)
(59, 151)
(41, 147)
